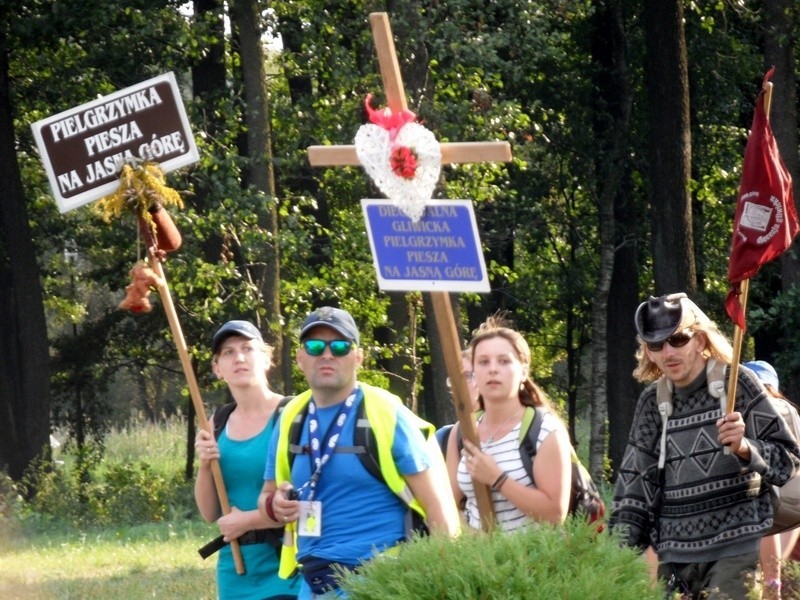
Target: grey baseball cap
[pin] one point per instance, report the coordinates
(335, 318)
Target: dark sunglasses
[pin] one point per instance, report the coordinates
(677, 340)
(317, 347)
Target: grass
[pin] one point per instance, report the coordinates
(146, 561)
(161, 444)
(45, 556)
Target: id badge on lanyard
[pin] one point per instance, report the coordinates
(310, 520)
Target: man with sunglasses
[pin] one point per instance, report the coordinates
(703, 507)
(340, 507)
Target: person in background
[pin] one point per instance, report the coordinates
(501, 373)
(443, 433)
(316, 480)
(775, 549)
(703, 509)
(242, 360)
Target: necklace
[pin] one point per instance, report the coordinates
(499, 427)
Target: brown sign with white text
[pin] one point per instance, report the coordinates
(84, 148)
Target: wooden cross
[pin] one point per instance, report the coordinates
(463, 152)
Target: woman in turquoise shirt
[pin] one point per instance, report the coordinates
(242, 360)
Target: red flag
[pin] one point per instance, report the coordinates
(766, 220)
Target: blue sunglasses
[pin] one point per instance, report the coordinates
(317, 347)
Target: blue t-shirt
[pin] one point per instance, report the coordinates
(242, 465)
(360, 515)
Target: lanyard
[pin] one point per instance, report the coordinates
(322, 448)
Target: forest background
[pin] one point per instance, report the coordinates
(627, 120)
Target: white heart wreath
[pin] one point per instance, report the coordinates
(406, 169)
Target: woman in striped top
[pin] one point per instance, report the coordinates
(501, 370)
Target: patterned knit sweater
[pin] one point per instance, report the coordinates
(712, 505)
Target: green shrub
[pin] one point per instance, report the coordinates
(132, 494)
(570, 562)
(121, 494)
(57, 497)
(135, 477)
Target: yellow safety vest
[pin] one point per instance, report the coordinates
(381, 410)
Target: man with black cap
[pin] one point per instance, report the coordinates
(348, 464)
(703, 508)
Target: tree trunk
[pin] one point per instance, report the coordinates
(667, 82)
(611, 126)
(623, 390)
(208, 85)
(401, 367)
(24, 348)
(780, 18)
(437, 401)
(301, 92)
(260, 172)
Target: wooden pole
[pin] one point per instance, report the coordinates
(442, 310)
(194, 390)
(459, 152)
(445, 324)
(452, 153)
(738, 333)
(738, 336)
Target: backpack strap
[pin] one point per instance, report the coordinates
(715, 380)
(364, 443)
(664, 389)
(295, 430)
(223, 413)
(529, 431)
(221, 416)
(279, 409)
(528, 434)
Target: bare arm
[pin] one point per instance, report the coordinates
(453, 458)
(552, 473)
(432, 491)
(205, 493)
(276, 501)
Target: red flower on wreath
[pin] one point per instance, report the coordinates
(404, 162)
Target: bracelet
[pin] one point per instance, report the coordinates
(268, 507)
(499, 482)
(774, 584)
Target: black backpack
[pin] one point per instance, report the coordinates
(585, 497)
(223, 413)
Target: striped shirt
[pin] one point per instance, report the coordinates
(505, 452)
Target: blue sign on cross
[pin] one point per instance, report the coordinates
(441, 252)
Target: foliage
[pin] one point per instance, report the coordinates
(570, 562)
(510, 70)
(781, 320)
(141, 187)
(139, 479)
